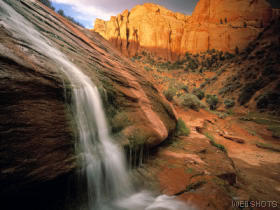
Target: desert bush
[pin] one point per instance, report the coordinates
(169, 93)
(190, 101)
(230, 87)
(270, 100)
(181, 128)
(229, 103)
(198, 92)
(249, 90)
(212, 100)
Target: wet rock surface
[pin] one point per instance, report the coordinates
(36, 129)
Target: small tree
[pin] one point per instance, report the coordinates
(212, 100)
(47, 3)
(225, 20)
(61, 12)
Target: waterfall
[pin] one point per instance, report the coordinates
(108, 183)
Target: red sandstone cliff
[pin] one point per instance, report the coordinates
(218, 24)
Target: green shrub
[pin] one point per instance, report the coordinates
(169, 93)
(190, 101)
(212, 100)
(229, 103)
(181, 128)
(199, 93)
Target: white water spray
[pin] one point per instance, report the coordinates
(108, 183)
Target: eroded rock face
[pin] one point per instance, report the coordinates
(37, 132)
(226, 24)
(216, 24)
(147, 26)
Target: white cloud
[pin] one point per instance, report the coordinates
(87, 10)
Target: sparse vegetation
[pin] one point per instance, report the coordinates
(229, 87)
(181, 128)
(249, 90)
(229, 103)
(60, 11)
(269, 100)
(212, 141)
(268, 147)
(275, 129)
(212, 100)
(199, 93)
(190, 101)
(169, 93)
(147, 68)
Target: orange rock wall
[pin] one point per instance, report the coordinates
(214, 24)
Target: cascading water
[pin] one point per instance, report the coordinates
(108, 183)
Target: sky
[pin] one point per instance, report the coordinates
(86, 11)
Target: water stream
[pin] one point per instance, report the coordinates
(108, 183)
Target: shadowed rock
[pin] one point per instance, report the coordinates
(37, 132)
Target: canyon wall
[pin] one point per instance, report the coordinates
(214, 24)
